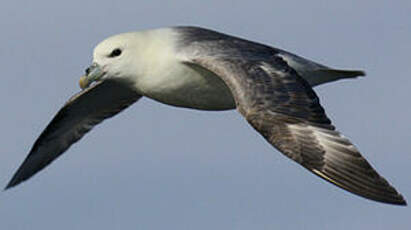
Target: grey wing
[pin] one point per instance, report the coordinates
(284, 109)
(226, 45)
(78, 116)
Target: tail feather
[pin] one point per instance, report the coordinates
(343, 73)
(320, 76)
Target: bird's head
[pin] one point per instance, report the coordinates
(112, 58)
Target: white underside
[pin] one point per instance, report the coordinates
(168, 80)
(192, 87)
(151, 61)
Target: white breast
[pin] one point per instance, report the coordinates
(166, 79)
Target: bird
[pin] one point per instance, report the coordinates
(202, 69)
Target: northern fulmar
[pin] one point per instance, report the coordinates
(202, 69)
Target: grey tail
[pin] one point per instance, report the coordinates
(325, 75)
(343, 73)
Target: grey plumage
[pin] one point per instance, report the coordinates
(284, 109)
(77, 117)
(234, 47)
(270, 87)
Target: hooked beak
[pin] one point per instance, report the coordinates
(93, 73)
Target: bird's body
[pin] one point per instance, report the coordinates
(174, 82)
(203, 69)
(171, 81)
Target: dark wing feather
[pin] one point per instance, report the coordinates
(284, 109)
(78, 116)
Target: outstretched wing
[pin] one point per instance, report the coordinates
(78, 116)
(284, 109)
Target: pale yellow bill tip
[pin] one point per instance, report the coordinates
(83, 82)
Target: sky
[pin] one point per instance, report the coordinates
(159, 167)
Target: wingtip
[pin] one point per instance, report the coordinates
(15, 180)
(7, 187)
(361, 73)
(402, 201)
(399, 203)
(395, 198)
(11, 184)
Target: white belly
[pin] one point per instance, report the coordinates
(161, 75)
(186, 86)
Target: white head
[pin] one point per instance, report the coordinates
(129, 56)
(112, 58)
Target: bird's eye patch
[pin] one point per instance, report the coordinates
(115, 53)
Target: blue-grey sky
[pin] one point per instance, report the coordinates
(159, 167)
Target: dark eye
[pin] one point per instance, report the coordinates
(115, 53)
